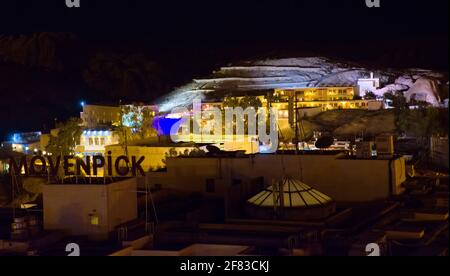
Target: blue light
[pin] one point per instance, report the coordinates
(82, 103)
(265, 149)
(165, 126)
(16, 138)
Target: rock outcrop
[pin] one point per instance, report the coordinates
(38, 50)
(255, 76)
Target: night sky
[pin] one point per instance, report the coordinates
(185, 39)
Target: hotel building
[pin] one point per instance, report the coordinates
(327, 98)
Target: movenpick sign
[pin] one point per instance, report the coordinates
(49, 165)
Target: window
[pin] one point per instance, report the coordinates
(102, 141)
(96, 141)
(210, 186)
(91, 142)
(94, 218)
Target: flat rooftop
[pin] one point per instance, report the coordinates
(240, 154)
(81, 180)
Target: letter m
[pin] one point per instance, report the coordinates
(234, 118)
(16, 169)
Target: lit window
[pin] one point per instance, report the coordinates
(91, 142)
(94, 220)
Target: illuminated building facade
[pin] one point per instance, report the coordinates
(370, 84)
(99, 115)
(93, 141)
(99, 122)
(317, 94)
(326, 98)
(28, 142)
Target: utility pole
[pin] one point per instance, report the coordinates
(296, 123)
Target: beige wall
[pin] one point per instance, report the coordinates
(343, 179)
(154, 156)
(94, 115)
(44, 140)
(67, 207)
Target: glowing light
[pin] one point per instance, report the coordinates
(82, 103)
(164, 125)
(16, 137)
(265, 149)
(35, 150)
(44, 152)
(27, 148)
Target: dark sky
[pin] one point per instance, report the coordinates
(231, 20)
(189, 38)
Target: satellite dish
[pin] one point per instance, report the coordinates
(324, 142)
(212, 149)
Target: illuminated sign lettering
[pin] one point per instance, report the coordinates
(49, 165)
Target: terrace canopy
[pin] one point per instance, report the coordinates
(292, 199)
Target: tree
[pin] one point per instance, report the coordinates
(399, 101)
(138, 118)
(230, 102)
(244, 103)
(171, 153)
(422, 123)
(370, 96)
(250, 101)
(68, 137)
(135, 123)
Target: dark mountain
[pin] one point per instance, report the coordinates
(44, 75)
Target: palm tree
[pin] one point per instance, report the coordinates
(68, 137)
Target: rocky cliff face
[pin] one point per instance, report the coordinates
(38, 50)
(250, 77)
(123, 76)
